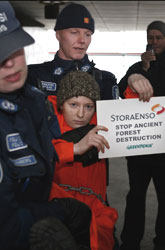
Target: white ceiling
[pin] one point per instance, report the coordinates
(108, 15)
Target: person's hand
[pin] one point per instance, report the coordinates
(141, 85)
(92, 139)
(146, 58)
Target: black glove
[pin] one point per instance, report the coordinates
(75, 135)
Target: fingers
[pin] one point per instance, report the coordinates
(142, 86)
(99, 127)
(92, 138)
(148, 56)
(99, 141)
(104, 143)
(100, 144)
(144, 89)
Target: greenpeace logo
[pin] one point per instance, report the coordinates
(140, 146)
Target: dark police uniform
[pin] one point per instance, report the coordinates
(27, 159)
(47, 76)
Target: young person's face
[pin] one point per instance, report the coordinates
(157, 39)
(73, 43)
(78, 111)
(13, 72)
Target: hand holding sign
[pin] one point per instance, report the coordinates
(90, 140)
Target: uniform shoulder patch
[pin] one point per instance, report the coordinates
(49, 86)
(8, 106)
(14, 142)
(85, 68)
(58, 71)
(24, 161)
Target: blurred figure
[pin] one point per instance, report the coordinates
(145, 79)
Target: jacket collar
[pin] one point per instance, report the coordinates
(68, 64)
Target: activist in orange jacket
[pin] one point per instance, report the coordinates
(79, 173)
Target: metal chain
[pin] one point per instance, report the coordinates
(82, 190)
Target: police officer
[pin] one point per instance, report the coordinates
(27, 156)
(74, 28)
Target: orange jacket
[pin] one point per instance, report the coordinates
(94, 177)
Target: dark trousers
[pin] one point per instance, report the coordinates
(78, 218)
(141, 170)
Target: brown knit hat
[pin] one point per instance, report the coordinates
(77, 83)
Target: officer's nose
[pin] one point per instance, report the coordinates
(8, 63)
(81, 38)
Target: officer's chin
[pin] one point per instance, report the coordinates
(78, 56)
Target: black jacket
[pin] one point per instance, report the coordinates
(155, 74)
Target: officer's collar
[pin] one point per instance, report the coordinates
(14, 96)
(66, 64)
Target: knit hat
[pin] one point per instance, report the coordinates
(157, 25)
(12, 36)
(77, 83)
(74, 16)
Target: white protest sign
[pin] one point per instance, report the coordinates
(135, 127)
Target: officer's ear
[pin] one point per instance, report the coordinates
(58, 35)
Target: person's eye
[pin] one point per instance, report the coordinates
(89, 107)
(73, 32)
(88, 35)
(73, 105)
